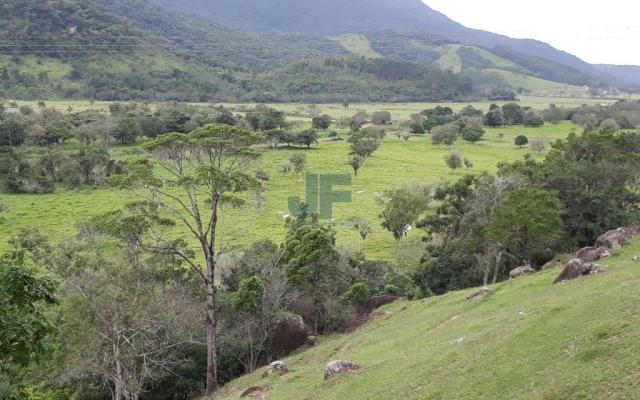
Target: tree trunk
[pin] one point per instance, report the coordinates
(118, 384)
(485, 278)
(212, 372)
(495, 272)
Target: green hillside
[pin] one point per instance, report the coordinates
(336, 17)
(356, 44)
(528, 340)
(121, 50)
(458, 58)
(84, 50)
(539, 86)
(133, 50)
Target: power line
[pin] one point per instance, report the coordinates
(76, 37)
(164, 44)
(17, 51)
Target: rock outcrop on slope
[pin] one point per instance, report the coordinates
(338, 367)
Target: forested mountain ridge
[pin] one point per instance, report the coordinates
(124, 50)
(70, 48)
(332, 17)
(120, 50)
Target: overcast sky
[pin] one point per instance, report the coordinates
(596, 31)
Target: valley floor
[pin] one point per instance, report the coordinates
(396, 163)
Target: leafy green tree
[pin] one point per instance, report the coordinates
(521, 141)
(277, 136)
(266, 118)
(258, 297)
(249, 296)
(24, 323)
(322, 122)
(470, 111)
(56, 133)
(434, 120)
(553, 114)
(256, 259)
(364, 148)
(417, 128)
(26, 110)
(312, 266)
(472, 134)
(468, 163)
(458, 244)
(592, 175)
(402, 208)
(526, 220)
(494, 117)
(381, 117)
(356, 163)
(358, 295)
(12, 132)
(126, 131)
(437, 111)
(307, 138)
(225, 116)
(152, 126)
(298, 161)
(512, 113)
(453, 160)
(208, 168)
(609, 124)
(445, 134)
(362, 225)
(532, 119)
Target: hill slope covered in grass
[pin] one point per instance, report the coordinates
(528, 340)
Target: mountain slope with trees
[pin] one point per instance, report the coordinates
(332, 17)
(119, 50)
(135, 50)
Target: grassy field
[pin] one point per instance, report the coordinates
(538, 85)
(356, 44)
(528, 340)
(398, 110)
(449, 57)
(393, 165)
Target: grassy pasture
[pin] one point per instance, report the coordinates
(394, 164)
(399, 111)
(356, 44)
(528, 340)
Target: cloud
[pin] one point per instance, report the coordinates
(596, 32)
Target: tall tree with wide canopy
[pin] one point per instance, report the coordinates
(526, 220)
(192, 177)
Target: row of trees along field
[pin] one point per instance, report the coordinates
(128, 310)
(46, 131)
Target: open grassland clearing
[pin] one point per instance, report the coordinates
(396, 163)
(399, 111)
